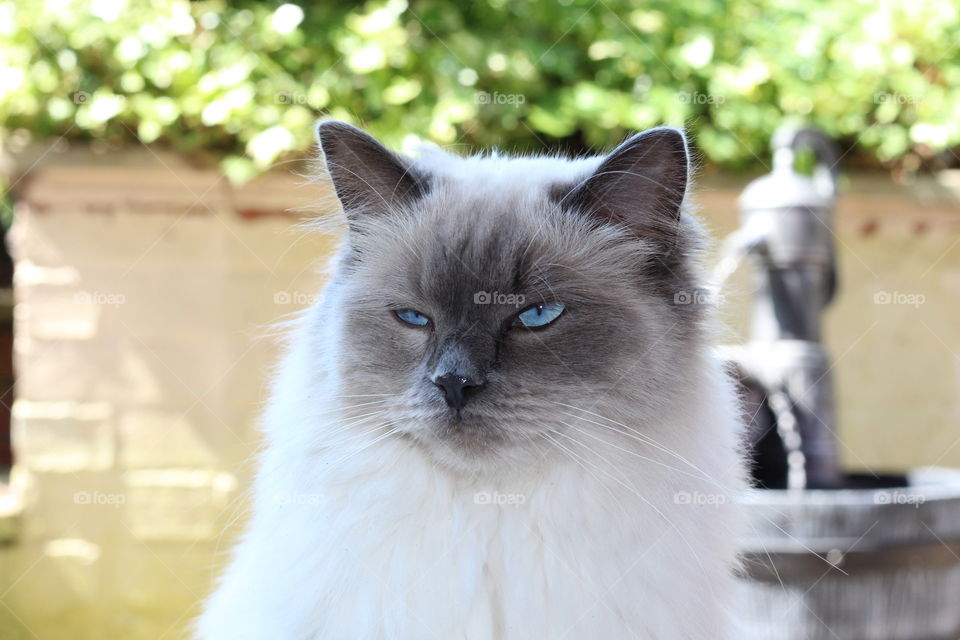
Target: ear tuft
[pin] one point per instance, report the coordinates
(368, 177)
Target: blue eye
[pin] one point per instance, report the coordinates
(540, 315)
(412, 317)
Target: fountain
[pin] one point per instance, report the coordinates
(827, 554)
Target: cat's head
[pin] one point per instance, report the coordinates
(493, 298)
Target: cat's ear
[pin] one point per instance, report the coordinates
(640, 184)
(367, 176)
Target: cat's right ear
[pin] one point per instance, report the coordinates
(641, 185)
(368, 177)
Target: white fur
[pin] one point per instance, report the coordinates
(362, 539)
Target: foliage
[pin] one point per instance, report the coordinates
(243, 82)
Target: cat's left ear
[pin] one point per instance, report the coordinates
(368, 177)
(640, 184)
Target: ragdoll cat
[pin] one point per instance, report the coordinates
(503, 420)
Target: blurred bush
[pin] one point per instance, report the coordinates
(242, 82)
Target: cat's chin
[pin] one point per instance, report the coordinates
(476, 445)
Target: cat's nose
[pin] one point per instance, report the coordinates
(457, 388)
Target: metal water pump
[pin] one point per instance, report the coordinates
(787, 238)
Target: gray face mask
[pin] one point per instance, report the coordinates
(485, 294)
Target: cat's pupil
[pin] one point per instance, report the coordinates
(540, 315)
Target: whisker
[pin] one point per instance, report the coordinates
(706, 476)
(656, 510)
(636, 435)
(367, 395)
(632, 453)
(369, 444)
(577, 460)
(358, 420)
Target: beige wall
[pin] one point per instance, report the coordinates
(146, 297)
(146, 292)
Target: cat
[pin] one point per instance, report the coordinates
(504, 420)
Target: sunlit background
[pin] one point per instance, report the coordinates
(152, 159)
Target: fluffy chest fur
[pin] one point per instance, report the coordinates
(390, 550)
